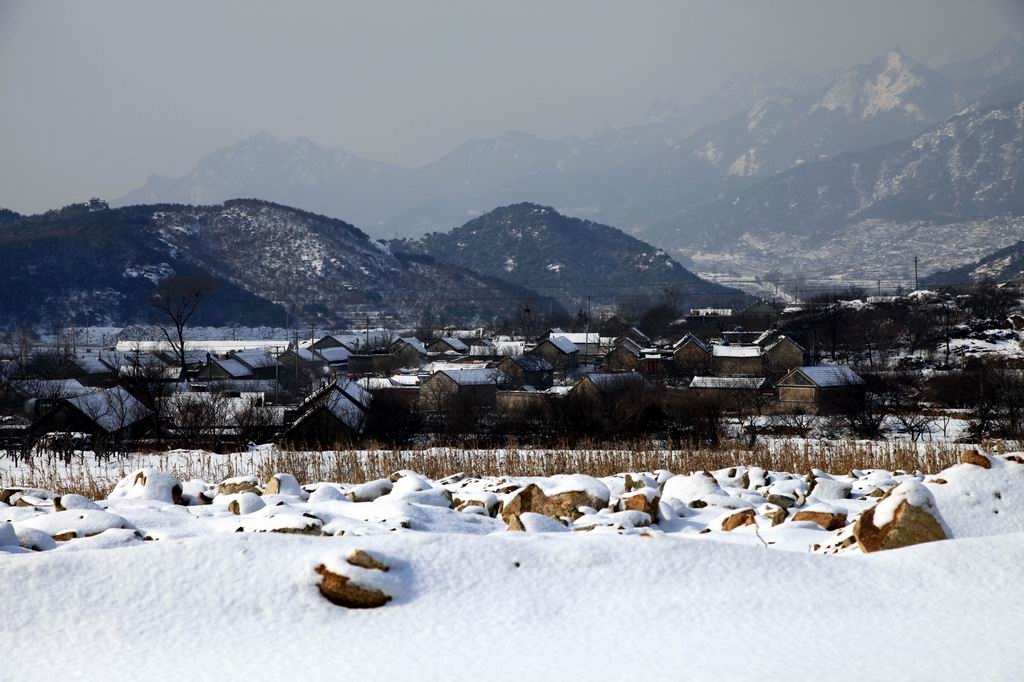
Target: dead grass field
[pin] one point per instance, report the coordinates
(95, 480)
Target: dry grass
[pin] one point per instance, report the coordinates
(357, 466)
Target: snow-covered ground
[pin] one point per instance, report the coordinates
(697, 576)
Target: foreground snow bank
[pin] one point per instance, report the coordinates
(515, 606)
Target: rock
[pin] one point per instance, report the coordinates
(774, 513)
(326, 493)
(903, 518)
(284, 484)
(687, 489)
(830, 489)
(245, 503)
(538, 523)
(488, 501)
(149, 484)
(341, 591)
(532, 499)
(743, 517)
(65, 502)
(976, 458)
(829, 520)
(39, 541)
(8, 538)
(370, 491)
(784, 501)
(363, 560)
(239, 484)
(644, 500)
(1016, 459)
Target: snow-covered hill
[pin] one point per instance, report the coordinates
(101, 265)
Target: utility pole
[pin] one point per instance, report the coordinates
(879, 286)
(916, 287)
(367, 333)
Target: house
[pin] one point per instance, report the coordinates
(691, 355)
(335, 413)
(409, 351)
(111, 413)
(447, 344)
(781, 355)
(260, 362)
(39, 395)
(476, 386)
(727, 388)
(820, 389)
(92, 371)
(636, 336)
(527, 370)
(562, 353)
(349, 341)
(607, 384)
(625, 356)
(226, 368)
(336, 356)
(729, 360)
(588, 344)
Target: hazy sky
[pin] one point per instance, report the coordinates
(95, 96)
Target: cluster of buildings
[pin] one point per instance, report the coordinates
(318, 389)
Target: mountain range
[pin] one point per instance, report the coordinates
(569, 258)
(633, 178)
(92, 264)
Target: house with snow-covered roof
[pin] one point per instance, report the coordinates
(447, 344)
(111, 413)
(476, 386)
(562, 353)
(336, 413)
(527, 370)
(820, 389)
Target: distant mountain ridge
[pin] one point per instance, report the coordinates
(1003, 265)
(537, 247)
(93, 265)
(635, 177)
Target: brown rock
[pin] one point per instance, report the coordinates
(743, 517)
(776, 513)
(637, 501)
(363, 560)
(976, 458)
(341, 591)
(937, 481)
(910, 526)
(532, 499)
(238, 487)
(784, 501)
(66, 535)
(826, 520)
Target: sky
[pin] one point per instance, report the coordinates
(96, 96)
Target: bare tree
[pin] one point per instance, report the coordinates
(177, 299)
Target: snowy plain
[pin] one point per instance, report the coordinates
(211, 591)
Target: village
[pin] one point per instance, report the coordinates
(766, 370)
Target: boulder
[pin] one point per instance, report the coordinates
(65, 502)
(149, 484)
(976, 458)
(644, 500)
(532, 499)
(239, 484)
(774, 513)
(784, 501)
(690, 488)
(361, 559)
(340, 590)
(284, 484)
(737, 519)
(245, 503)
(904, 517)
(370, 491)
(827, 518)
